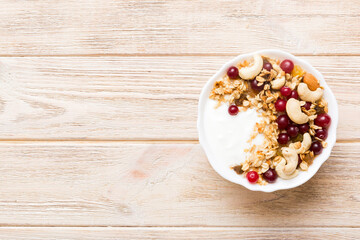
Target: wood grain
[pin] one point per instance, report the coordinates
(123, 184)
(132, 98)
(83, 27)
(125, 76)
(91, 233)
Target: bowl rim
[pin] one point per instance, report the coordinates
(320, 158)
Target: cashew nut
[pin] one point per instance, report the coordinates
(305, 144)
(278, 83)
(277, 68)
(293, 110)
(304, 166)
(279, 79)
(252, 71)
(286, 168)
(291, 160)
(307, 95)
(281, 174)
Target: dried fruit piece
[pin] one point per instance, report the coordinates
(292, 130)
(285, 91)
(304, 128)
(283, 138)
(283, 121)
(322, 134)
(255, 85)
(323, 120)
(267, 66)
(307, 105)
(316, 147)
(233, 72)
(280, 105)
(294, 94)
(297, 71)
(270, 175)
(287, 65)
(233, 110)
(252, 176)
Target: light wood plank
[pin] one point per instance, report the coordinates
(91, 233)
(132, 97)
(119, 184)
(174, 27)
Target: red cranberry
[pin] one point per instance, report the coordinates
(233, 72)
(285, 91)
(294, 94)
(270, 175)
(316, 147)
(323, 120)
(233, 110)
(292, 130)
(252, 176)
(283, 121)
(304, 128)
(254, 85)
(321, 133)
(267, 66)
(283, 138)
(307, 105)
(280, 105)
(287, 65)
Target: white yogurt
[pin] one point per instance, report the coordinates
(228, 135)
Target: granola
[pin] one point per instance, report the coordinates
(293, 112)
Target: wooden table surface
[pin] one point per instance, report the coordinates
(98, 109)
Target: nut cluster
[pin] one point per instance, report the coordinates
(294, 116)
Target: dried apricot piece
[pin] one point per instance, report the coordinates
(297, 71)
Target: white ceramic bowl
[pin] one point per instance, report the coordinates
(303, 176)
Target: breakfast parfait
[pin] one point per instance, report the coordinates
(270, 118)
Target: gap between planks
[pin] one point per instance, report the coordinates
(89, 141)
(141, 233)
(177, 227)
(97, 141)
